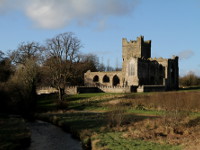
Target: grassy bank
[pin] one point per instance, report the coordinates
(13, 133)
(93, 128)
(116, 141)
(131, 121)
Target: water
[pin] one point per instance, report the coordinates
(45, 136)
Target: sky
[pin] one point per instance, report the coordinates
(173, 26)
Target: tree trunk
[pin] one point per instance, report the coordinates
(61, 92)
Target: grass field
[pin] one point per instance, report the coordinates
(116, 141)
(167, 120)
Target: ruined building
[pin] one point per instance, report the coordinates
(139, 70)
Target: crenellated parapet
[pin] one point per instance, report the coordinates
(136, 48)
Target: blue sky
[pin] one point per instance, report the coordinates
(172, 25)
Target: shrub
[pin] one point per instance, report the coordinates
(189, 80)
(167, 101)
(116, 117)
(19, 92)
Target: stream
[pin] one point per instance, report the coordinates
(45, 136)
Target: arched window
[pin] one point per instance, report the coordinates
(106, 79)
(172, 71)
(131, 69)
(96, 79)
(116, 80)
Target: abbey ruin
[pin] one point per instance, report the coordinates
(139, 71)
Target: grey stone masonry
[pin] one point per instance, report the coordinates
(138, 69)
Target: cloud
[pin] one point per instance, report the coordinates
(186, 54)
(4, 6)
(10, 5)
(59, 13)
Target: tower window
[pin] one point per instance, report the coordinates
(131, 70)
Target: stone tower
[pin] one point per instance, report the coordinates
(135, 49)
(139, 69)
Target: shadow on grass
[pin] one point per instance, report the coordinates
(83, 96)
(73, 98)
(77, 121)
(94, 104)
(13, 132)
(46, 102)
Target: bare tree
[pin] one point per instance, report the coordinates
(23, 83)
(190, 80)
(22, 87)
(91, 60)
(85, 62)
(25, 51)
(61, 52)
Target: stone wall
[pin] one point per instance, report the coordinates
(70, 90)
(46, 90)
(150, 72)
(116, 89)
(151, 88)
(138, 68)
(173, 74)
(131, 72)
(138, 48)
(104, 89)
(103, 78)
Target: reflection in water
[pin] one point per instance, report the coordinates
(45, 136)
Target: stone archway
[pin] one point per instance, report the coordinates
(96, 78)
(106, 79)
(116, 80)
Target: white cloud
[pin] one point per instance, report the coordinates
(45, 15)
(186, 54)
(59, 13)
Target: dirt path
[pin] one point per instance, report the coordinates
(45, 136)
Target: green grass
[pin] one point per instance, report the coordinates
(87, 115)
(13, 133)
(86, 102)
(115, 141)
(46, 102)
(84, 96)
(146, 112)
(77, 123)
